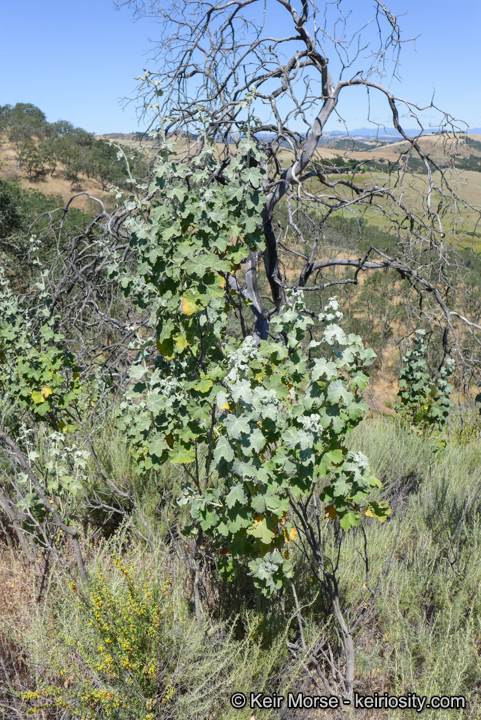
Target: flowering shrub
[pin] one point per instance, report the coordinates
(124, 664)
(130, 650)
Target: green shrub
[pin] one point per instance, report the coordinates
(424, 400)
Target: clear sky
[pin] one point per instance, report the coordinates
(76, 60)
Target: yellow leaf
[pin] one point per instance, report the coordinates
(188, 306)
(331, 512)
(225, 406)
(46, 391)
(37, 397)
(369, 512)
(181, 341)
(289, 535)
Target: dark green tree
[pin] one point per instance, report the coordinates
(24, 122)
(11, 219)
(32, 159)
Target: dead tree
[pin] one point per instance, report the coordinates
(217, 66)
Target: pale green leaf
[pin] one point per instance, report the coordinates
(261, 531)
(236, 495)
(181, 456)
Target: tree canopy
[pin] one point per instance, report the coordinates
(42, 147)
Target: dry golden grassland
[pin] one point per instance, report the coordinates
(412, 189)
(50, 185)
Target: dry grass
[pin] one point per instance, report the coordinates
(436, 145)
(466, 183)
(17, 598)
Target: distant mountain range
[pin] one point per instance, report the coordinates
(387, 134)
(383, 135)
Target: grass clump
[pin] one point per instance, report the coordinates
(423, 633)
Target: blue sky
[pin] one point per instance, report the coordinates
(76, 60)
